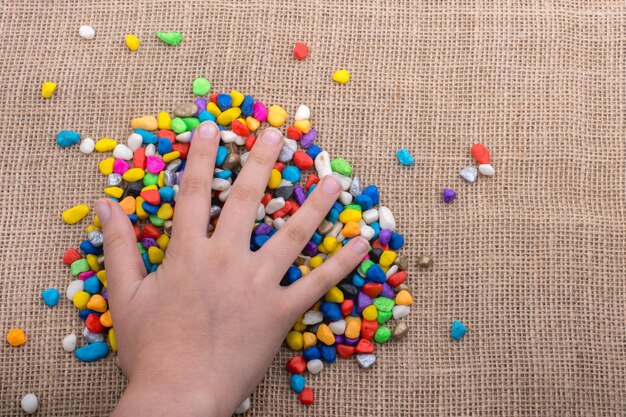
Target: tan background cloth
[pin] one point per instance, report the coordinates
(532, 260)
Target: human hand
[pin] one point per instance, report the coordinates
(196, 336)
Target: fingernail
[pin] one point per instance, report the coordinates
(102, 210)
(271, 136)
(207, 130)
(331, 185)
(361, 245)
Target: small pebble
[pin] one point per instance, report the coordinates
(341, 76)
(303, 113)
(404, 156)
(69, 342)
(87, 146)
(448, 195)
(170, 38)
(16, 337)
(132, 42)
(366, 360)
(75, 214)
(201, 86)
(315, 366)
(486, 169)
(243, 407)
(86, 32)
(480, 153)
(92, 352)
(50, 296)
(67, 138)
(400, 330)
(47, 88)
(30, 403)
(469, 174)
(424, 260)
(458, 330)
(300, 51)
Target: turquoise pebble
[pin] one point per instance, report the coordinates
(92, 352)
(297, 383)
(222, 153)
(292, 174)
(92, 285)
(67, 138)
(404, 156)
(50, 296)
(458, 330)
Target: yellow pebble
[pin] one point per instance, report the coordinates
(334, 295)
(315, 261)
(309, 339)
(170, 156)
(141, 213)
(317, 305)
(92, 260)
(114, 191)
(165, 212)
(276, 115)
(47, 88)
(321, 249)
(337, 249)
(163, 241)
(252, 123)
(155, 255)
(97, 303)
(164, 121)
(102, 277)
(404, 298)
(132, 42)
(294, 340)
(298, 326)
(161, 179)
(112, 339)
(303, 126)
(213, 109)
(96, 222)
(387, 258)
(341, 76)
(105, 319)
(81, 298)
(133, 174)
(325, 335)
(75, 214)
(330, 243)
(16, 337)
(304, 269)
(275, 178)
(106, 166)
(145, 123)
(91, 228)
(353, 327)
(105, 144)
(227, 116)
(370, 312)
(237, 98)
(350, 215)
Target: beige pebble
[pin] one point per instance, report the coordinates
(185, 110)
(424, 260)
(400, 330)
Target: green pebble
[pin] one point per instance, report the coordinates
(191, 122)
(170, 38)
(179, 126)
(365, 266)
(201, 86)
(141, 249)
(150, 179)
(353, 207)
(382, 334)
(156, 221)
(341, 166)
(384, 316)
(384, 304)
(79, 266)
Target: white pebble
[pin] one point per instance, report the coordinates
(224, 194)
(228, 136)
(370, 216)
(401, 311)
(240, 140)
(290, 144)
(284, 183)
(184, 137)
(91, 337)
(338, 327)
(135, 141)
(150, 150)
(392, 270)
(315, 366)
(260, 213)
(303, 113)
(176, 187)
(73, 288)
(69, 342)
(278, 223)
(274, 204)
(343, 180)
(386, 219)
(30, 403)
(122, 152)
(220, 184)
(367, 232)
(86, 32)
(87, 146)
(322, 164)
(340, 237)
(312, 317)
(334, 232)
(486, 169)
(366, 361)
(345, 198)
(243, 407)
(243, 158)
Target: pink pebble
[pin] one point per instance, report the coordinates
(120, 166)
(85, 275)
(259, 111)
(154, 164)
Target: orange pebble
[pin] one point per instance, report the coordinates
(351, 229)
(128, 204)
(16, 337)
(325, 335)
(105, 319)
(353, 327)
(97, 303)
(403, 298)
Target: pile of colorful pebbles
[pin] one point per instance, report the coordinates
(143, 175)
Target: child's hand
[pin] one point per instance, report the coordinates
(196, 336)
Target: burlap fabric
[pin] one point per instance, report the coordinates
(531, 260)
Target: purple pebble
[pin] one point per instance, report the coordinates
(363, 301)
(310, 249)
(200, 103)
(448, 195)
(351, 342)
(299, 194)
(384, 236)
(148, 242)
(339, 339)
(262, 229)
(387, 291)
(308, 139)
(105, 294)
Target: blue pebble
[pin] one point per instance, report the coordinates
(458, 330)
(164, 146)
(355, 310)
(292, 174)
(317, 238)
(357, 281)
(51, 296)
(396, 241)
(260, 240)
(310, 353)
(338, 206)
(333, 216)
(205, 116)
(376, 274)
(90, 249)
(92, 352)
(273, 232)
(222, 153)
(376, 227)
(364, 201)
(247, 106)
(404, 156)
(92, 285)
(150, 208)
(313, 151)
(133, 218)
(311, 188)
(329, 353)
(153, 268)
(148, 137)
(331, 311)
(166, 194)
(372, 192)
(146, 261)
(82, 314)
(297, 383)
(293, 274)
(224, 101)
(223, 174)
(67, 138)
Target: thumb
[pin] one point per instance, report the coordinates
(122, 260)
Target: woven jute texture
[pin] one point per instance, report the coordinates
(531, 260)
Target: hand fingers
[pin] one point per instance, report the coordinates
(237, 217)
(285, 245)
(193, 203)
(310, 288)
(123, 262)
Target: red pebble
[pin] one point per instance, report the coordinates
(266, 199)
(93, 323)
(300, 50)
(294, 207)
(151, 231)
(481, 154)
(139, 158)
(137, 232)
(294, 133)
(302, 160)
(239, 128)
(345, 351)
(250, 140)
(397, 278)
(377, 244)
(372, 290)
(306, 396)
(70, 256)
(183, 148)
(283, 211)
(368, 328)
(364, 346)
(213, 97)
(311, 179)
(347, 306)
(167, 134)
(296, 365)
(151, 196)
(279, 166)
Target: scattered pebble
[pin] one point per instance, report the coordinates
(424, 260)
(75, 214)
(86, 32)
(87, 146)
(243, 407)
(69, 342)
(132, 42)
(448, 195)
(16, 337)
(47, 88)
(469, 174)
(50, 296)
(92, 352)
(480, 153)
(366, 361)
(201, 86)
(458, 330)
(404, 156)
(67, 138)
(170, 38)
(486, 169)
(341, 76)
(300, 51)
(30, 403)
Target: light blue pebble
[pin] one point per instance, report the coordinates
(50, 296)
(222, 153)
(404, 156)
(458, 330)
(148, 137)
(166, 193)
(92, 285)
(206, 116)
(297, 383)
(92, 352)
(292, 174)
(223, 174)
(67, 138)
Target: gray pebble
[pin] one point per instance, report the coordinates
(167, 227)
(92, 337)
(215, 211)
(366, 360)
(401, 262)
(286, 154)
(174, 166)
(469, 174)
(185, 110)
(170, 178)
(96, 238)
(401, 287)
(114, 179)
(400, 330)
(355, 187)
(325, 227)
(284, 192)
(232, 161)
(424, 260)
